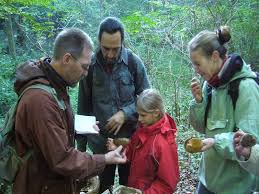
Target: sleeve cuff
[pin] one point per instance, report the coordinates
(224, 145)
(128, 112)
(100, 162)
(251, 159)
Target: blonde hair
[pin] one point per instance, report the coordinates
(149, 101)
(209, 41)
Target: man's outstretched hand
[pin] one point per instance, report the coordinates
(116, 156)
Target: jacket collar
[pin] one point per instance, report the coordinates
(40, 71)
(97, 58)
(164, 125)
(53, 77)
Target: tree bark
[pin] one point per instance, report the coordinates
(9, 33)
(20, 39)
(102, 8)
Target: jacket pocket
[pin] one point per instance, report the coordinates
(216, 124)
(151, 165)
(55, 187)
(125, 87)
(99, 90)
(219, 113)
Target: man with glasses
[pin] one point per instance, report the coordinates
(47, 129)
(116, 77)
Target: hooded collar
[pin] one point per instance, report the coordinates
(165, 124)
(39, 72)
(53, 77)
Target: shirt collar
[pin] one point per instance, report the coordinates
(97, 58)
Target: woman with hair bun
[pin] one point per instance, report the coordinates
(213, 112)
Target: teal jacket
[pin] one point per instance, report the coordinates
(220, 171)
(252, 164)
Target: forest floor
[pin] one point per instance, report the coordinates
(189, 164)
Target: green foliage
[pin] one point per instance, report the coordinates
(12, 6)
(27, 2)
(73, 93)
(137, 22)
(7, 96)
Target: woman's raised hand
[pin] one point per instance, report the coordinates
(196, 89)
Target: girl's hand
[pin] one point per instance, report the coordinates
(196, 90)
(110, 144)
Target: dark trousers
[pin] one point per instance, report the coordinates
(201, 189)
(81, 142)
(107, 177)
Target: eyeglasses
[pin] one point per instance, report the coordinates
(84, 66)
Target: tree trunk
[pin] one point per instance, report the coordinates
(102, 8)
(10, 36)
(20, 39)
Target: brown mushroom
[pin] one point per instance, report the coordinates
(248, 140)
(121, 141)
(193, 145)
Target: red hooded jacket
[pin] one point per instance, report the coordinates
(152, 153)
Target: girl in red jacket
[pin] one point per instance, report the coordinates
(152, 151)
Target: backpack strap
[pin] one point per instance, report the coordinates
(49, 90)
(53, 93)
(233, 91)
(10, 160)
(257, 78)
(209, 92)
(132, 65)
(12, 111)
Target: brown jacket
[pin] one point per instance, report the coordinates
(43, 127)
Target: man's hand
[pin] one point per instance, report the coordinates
(116, 156)
(241, 150)
(115, 122)
(196, 90)
(138, 191)
(96, 128)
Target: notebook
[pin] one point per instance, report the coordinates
(84, 124)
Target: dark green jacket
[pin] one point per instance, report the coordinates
(103, 94)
